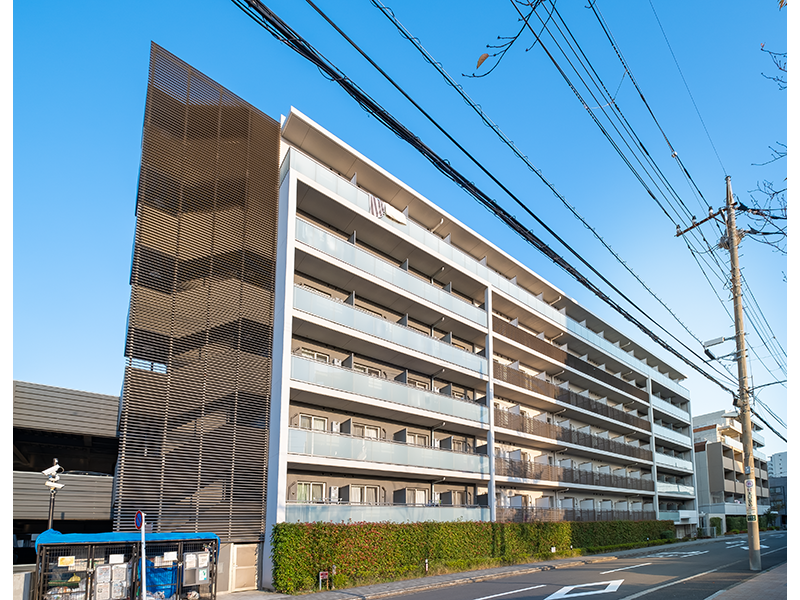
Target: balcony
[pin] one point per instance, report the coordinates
(670, 409)
(679, 517)
(521, 469)
(672, 435)
(366, 323)
(421, 236)
(539, 386)
(344, 447)
(387, 272)
(758, 439)
(664, 460)
(501, 327)
(523, 424)
(354, 382)
(760, 455)
(345, 513)
(662, 487)
(533, 514)
(735, 444)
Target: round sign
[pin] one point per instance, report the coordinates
(749, 483)
(139, 519)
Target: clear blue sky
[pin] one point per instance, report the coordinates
(80, 78)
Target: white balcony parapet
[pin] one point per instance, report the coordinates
(670, 409)
(363, 322)
(736, 444)
(672, 435)
(662, 487)
(349, 192)
(671, 461)
(344, 513)
(352, 448)
(347, 380)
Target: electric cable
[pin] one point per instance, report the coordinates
(283, 33)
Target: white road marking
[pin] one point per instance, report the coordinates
(513, 592)
(624, 568)
(564, 592)
(747, 547)
(678, 554)
(714, 595)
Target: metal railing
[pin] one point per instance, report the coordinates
(532, 384)
(522, 469)
(531, 514)
(524, 424)
(534, 343)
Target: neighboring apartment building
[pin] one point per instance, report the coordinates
(80, 430)
(719, 465)
(778, 465)
(312, 340)
(779, 498)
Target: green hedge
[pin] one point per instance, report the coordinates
(370, 552)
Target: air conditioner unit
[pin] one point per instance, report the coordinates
(337, 362)
(335, 426)
(334, 493)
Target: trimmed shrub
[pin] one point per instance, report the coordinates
(716, 523)
(372, 552)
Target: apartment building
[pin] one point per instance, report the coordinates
(310, 339)
(778, 465)
(719, 464)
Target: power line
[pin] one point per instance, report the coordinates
(282, 32)
(507, 141)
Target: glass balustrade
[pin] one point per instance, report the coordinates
(665, 460)
(343, 188)
(344, 513)
(361, 259)
(363, 322)
(345, 447)
(670, 409)
(347, 380)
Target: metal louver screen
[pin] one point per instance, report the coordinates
(195, 410)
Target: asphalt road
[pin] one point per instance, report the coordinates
(661, 574)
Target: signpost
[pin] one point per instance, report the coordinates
(139, 521)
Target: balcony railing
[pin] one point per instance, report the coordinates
(671, 409)
(380, 513)
(523, 469)
(672, 435)
(346, 190)
(354, 382)
(532, 384)
(347, 447)
(664, 460)
(358, 258)
(532, 514)
(521, 423)
(663, 487)
(363, 322)
(508, 330)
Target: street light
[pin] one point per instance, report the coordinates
(52, 483)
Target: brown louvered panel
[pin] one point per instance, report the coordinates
(193, 428)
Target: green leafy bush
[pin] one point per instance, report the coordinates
(716, 523)
(371, 552)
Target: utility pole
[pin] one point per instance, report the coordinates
(753, 539)
(743, 401)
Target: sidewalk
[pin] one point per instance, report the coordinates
(769, 585)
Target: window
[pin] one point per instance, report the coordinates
(368, 370)
(423, 385)
(415, 438)
(459, 395)
(459, 446)
(310, 492)
(366, 431)
(363, 494)
(314, 355)
(458, 498)
(312, 422)
(417, 496)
